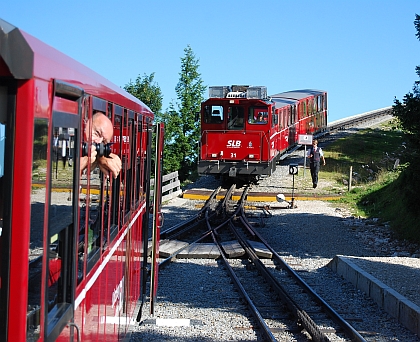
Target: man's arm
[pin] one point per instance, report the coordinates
(111, 164)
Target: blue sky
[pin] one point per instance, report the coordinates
(362, 52)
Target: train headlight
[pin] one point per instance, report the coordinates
(251, 156)
(214, 155)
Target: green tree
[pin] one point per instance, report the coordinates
(408, 111)
(408, 114)
(148, 91)
(182, 128)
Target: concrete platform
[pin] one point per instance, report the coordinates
(392, 302)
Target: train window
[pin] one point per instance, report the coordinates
(2, 152)
(4, 245)
(126, 165)
(38, 200)
(116, 184)
(289, 116)
(294, 113)
(2, 147)
(213, 114)
(275, 118)
(129, 159)
(139, 164)
(62, 218)
(257, 115)
(236, 117)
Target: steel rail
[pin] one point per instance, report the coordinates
(347, 328)
(268, 335)
(186, 225)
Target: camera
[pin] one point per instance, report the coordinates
(101, 149)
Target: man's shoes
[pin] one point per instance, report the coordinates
(314, 185)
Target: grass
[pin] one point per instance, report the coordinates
(377, 158)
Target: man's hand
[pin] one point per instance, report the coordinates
(85, 160)
(111, 164)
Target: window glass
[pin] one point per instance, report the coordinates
(38, 200)
(289, 115)
(213, 114)
(258, 115)
(129, 160)
(61, 207)
(2, 147)
(116, 189)
(275, 118)
(126, 166)
(236, 117)
(4, 245)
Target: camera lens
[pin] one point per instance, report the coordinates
(101, 149)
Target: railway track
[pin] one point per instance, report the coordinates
(280, 301)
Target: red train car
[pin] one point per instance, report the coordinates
(73, 245)
(244, 131)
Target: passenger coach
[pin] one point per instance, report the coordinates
(244, 131)
(73, 247)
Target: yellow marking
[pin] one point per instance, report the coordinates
(263, 197)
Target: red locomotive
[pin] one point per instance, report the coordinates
(244, 132)
(73, 246)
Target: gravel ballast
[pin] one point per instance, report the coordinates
(307, 237)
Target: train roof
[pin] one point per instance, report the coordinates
(27, 57)
(282, 102)
(298, 94)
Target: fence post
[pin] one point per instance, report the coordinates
(350, 177)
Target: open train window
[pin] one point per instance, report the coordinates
(213, 114)
(258, 115)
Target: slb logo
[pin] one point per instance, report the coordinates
(234, 143)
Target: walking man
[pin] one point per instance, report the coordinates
(315, 155)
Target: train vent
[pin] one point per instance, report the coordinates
(245, 92)
(256, 93)
(219, 92)
(236, 94)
